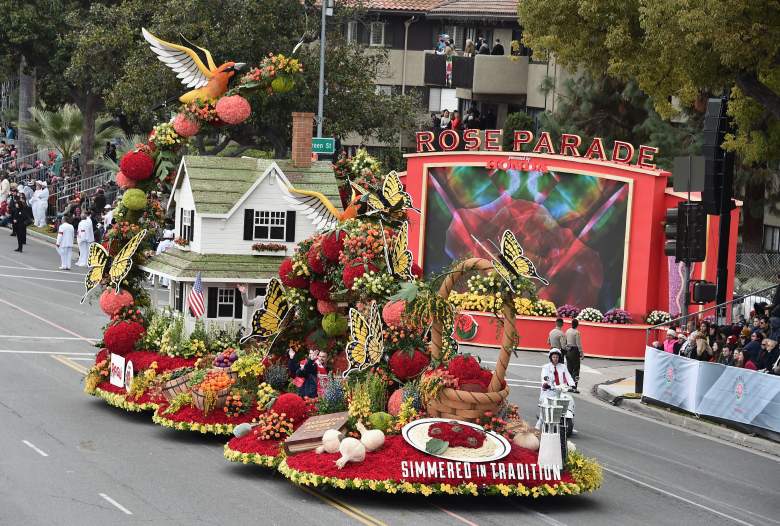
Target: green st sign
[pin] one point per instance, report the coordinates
(324, 145)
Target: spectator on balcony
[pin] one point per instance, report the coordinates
(670, 341)
(456, 123)
(678, 344)
(498, 48)
(484, 49)
(472, 120)
(449, 48)
(469, 49)
(444, 121)
(740, 360)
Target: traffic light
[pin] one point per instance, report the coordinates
(717, 173)
(702, 292)
(686, 232)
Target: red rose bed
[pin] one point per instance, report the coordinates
(192, 419)
(249, 450)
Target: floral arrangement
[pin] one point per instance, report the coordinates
(238, 402)
(276, 73)
(618, 316)
(120, 338)
(248, 365)
(180, 241)
(544, 308)
(266, 396)
(269, 247)
(164, 136)
(590, 314)
(658, 317)
(273, 426)
(568, 311)
(200, 111)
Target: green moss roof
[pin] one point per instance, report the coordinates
(218, 183)
(184, 266)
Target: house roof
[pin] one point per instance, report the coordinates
(506, 9)
(219, 183)
(182, 265)
(416, 6)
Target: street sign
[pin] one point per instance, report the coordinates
(324, 145)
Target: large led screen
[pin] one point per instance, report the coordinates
(572, 226)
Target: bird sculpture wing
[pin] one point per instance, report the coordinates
(183, 60)
(315, 205)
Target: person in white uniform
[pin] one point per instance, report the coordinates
(65, 243)
(554, 374)
(165, 244)
(40, 203)
(85, 236)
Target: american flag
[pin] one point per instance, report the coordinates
(195, 299)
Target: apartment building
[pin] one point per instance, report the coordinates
(496, 85)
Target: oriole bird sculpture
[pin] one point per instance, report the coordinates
(322, 212)
(209, 82)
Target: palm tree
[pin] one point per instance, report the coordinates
(125, 144)
(62, 129)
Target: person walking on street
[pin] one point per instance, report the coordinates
(21, 216)
(574, 352)
(556, 339)
(85, 236)
(65, 243)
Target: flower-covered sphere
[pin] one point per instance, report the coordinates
(134, 199)
(121, 338)
(123, 181)
(185, 126)
(111, 302)
(233, 109)
(137, 165)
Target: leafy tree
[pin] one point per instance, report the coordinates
(675, 48)
(515, 121)
(63, 129)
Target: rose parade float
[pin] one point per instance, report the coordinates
(339, 366)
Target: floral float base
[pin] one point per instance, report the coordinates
(249, 450)
(118, 397)
(381, 471)
(191, 419)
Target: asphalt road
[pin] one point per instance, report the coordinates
(69, 459)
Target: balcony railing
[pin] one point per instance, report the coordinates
(482, 74)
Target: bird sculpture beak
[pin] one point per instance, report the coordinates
(238, 66)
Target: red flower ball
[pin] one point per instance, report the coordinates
(320, 290)
(185, 126)
(393, 311)
(234, 109)
(111, 303)
(290, 280)
(137, 165)
(121, 338)
(354, 270)
(123, 181)
(417, 272)
(326, 307)
(316, 264)
(292, 405)
(404, 365)
(464, 368)
(332, 245)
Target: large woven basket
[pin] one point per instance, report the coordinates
(178, 385)
(199, 399)
(467, 405)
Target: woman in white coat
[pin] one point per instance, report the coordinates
(40, 203)
(554, 374)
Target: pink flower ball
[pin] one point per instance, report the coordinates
(124, 181)
(392, 312)
(326, 307)
(395, 401)
(111, 303)
(185, 126)
(234, 109)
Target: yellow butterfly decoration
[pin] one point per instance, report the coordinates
(366, 347)
(510, 262)
(391, 198)
(120, 267)
(268, 320)
(398, 256)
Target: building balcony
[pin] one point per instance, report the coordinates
(482, 75)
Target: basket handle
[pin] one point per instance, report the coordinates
(509, 335)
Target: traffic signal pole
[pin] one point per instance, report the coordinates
(724, 229)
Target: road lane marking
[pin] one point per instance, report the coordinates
(35, 448)
(456, 516)
(11, 351)
(24, 265)
(67, 363)
(115, 504)
(355, 513)
(546, 519)
(51, 323)
(17, 337)
(675, 496)
(35, 269)
(41, 279)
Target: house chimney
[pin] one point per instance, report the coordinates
(301, 138)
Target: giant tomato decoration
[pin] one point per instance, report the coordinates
(137, 165)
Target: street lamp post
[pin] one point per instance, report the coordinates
(321, 100)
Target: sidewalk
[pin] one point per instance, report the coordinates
(621, 392)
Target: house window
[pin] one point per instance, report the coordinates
(270, 226)
(226, 303)
(377, 34)
(352, 31)
(178, 295)
(456, 35)
(384, 90)
(186, 224)
(771, 238)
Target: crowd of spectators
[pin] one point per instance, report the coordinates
(749, 343)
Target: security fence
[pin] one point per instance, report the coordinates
(755, 272)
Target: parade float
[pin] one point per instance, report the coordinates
(349, 373)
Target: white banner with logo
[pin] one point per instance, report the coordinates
(711, 389)
(117, 370)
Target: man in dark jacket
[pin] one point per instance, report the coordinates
(768, 355)
(498, 49)
(753, 347)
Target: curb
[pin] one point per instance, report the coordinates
(43, 237)
(689, 422)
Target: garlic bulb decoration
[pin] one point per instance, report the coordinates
(330, 441)
(351, 451)
(371, 438)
